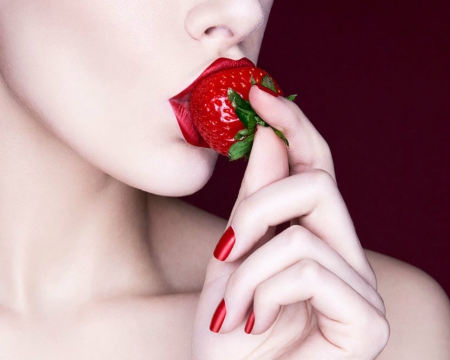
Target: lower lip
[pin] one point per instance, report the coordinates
(183, 115)
(180, 102)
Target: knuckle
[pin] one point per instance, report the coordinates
(297, 239)
(310, 270)
(375, 328)
(263, 293)
(369, 337)
(237, 281)
(244, 208)
(381, 330)
(321, 182)
(247, 212)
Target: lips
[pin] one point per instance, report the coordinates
(180, 102)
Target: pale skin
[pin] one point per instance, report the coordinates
(99, 260)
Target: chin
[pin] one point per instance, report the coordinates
(181, 172)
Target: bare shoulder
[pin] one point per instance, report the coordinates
(418, 310)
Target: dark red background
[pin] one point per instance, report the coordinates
(374, 78)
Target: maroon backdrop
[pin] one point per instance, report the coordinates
(374, 78)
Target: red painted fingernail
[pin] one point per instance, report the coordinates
(225, 244)
(267, 90)
(250, 323)
(218, 317)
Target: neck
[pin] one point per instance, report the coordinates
(69, 233)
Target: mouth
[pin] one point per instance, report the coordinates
(180, 102)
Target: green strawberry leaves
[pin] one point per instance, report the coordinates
(250, 119)
(241, 148)
(291, 97)
(237, 100)
(268, 83)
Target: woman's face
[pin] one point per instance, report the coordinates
(99, 75)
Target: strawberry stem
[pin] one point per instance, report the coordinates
(248, 116)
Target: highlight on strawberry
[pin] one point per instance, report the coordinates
(223, 115)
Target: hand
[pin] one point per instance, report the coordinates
(311, 287)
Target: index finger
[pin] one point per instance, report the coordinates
(267, 164)
(308, 149)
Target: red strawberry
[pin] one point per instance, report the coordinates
(223, 115)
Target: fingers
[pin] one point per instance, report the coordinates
(308, 149)
(344, 317)
(314, 197)
(349, 321)
(257, 276)
(309, 280)
(268, 163)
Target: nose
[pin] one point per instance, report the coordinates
(228, 22)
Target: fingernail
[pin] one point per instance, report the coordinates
(267, 90)
(250, 323)
(225, 244)
(218, 317)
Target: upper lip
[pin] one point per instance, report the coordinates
(218, 65)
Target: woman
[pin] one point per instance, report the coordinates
(99, 260)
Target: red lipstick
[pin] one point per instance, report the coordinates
(180, 102)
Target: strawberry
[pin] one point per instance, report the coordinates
(223, 115)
